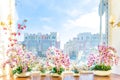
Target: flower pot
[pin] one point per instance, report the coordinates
(25, 74)
(43, 74)
(3, 72)
(85, 72)
(55, 75)
(76, 74)
(102, 73)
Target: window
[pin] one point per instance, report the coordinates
(70, 25)
(76, 22)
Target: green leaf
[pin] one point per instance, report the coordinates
(29, 69)
(43, 71)
(75, 71)
(19, 72)
(102, 67)
(54, 70)
(14, 71)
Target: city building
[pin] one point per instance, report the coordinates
(39, 43)
(83, 43)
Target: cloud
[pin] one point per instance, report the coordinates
(47, 29)
(73, 12)
(90, 20)
(86, 2)
(46, 19)
(70, 8)
(34, 4)
(68, 17)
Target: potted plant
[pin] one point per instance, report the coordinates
(21, 71)
(85, 69)
(58, 70)
(76, 70)
(102, 62)
(42, 68)
(19, 60)
(58, 60)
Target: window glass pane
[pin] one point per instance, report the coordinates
(70, 25)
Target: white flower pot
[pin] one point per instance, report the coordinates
(55, 75)
(76, 74)
(25, 74)
(102, 73)
(43, 74)
(85, 72)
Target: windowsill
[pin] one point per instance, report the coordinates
(82, 76)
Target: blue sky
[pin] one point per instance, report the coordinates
(67, 17)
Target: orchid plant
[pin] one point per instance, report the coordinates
(57, 59)
(19, 59)
(105, 58)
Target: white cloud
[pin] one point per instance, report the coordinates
(90, 20)
(46, 19)
(73, 12)
(47, 29)
(87, 22)
(86, 2)
(71, 8)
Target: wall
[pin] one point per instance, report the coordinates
(115, 30)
